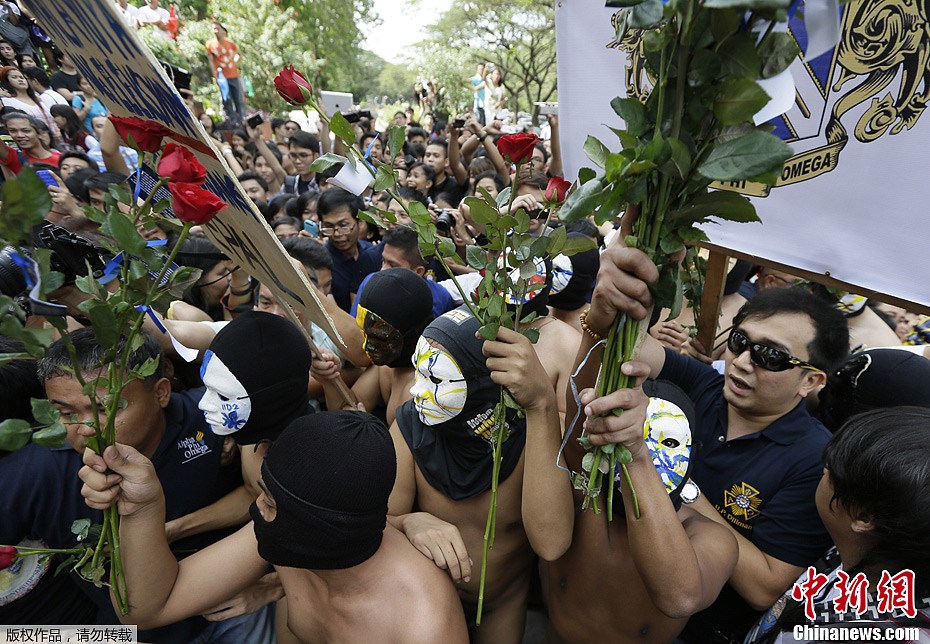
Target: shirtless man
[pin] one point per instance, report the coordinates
(394, 307)
(637, 580)
(442, 439)
(350, 577)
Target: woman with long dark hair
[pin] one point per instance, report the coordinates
(72, 128)
(23, 98)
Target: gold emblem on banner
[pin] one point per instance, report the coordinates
(884, 44)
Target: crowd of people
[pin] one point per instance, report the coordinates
(796, 450)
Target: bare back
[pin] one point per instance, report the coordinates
(405, 598)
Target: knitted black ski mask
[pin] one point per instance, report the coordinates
(573, 278)
(393, 309)
(330, 476)
(449, 423)
(256, 372)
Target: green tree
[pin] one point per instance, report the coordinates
(518, 37)
(396, 82)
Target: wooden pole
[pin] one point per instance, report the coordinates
(717, 264)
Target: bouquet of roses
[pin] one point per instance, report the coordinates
(140, 276)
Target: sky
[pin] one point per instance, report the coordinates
(401, 27)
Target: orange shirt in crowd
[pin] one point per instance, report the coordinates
(223, 54)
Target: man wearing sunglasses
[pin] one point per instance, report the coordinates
(759, 462)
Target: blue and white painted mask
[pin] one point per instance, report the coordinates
(225, 404)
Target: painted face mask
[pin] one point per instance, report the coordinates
(669, 441)
(225, 404)
(561, 273)
(439, 388)
(382, 342)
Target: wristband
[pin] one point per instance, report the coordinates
(583, 318)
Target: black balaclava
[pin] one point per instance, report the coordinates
(402, 304)
(455, 456)
(873, 379)
(330, 476)
(669, 421)
(573, 278)
(271, 358)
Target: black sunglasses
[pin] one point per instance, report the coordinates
(764, 356)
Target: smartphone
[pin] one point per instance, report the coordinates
(458, 123)
(47, 178)
(548, 109)
(255, 120)
(311, 227)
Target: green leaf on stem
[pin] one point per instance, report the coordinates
(327, 161)
(104, 322)
(669, 282)
(531, 334)
(25, 202)
(44, 411)
(419, 213)
(587, 462)
(489, 331)
(778, 50)
(704, 68)
(446, 248)
(574, 245)
(646, 15)
(503, 197)
(596, 151)
(14, 433)
(585, 175)
(482, 213)
(52, 436)
(581, 202)
(385, 177)
(750, 155)
(633, 114)
(124, 232)
(120, 193)
(339, 126)
(681, 157)
(557, 240)
(146, 369)
(739, 56)
(374, 217)
(624, 457)
(395, 137)
(80, 527)
(476, 257)
(721, 203)
(739, 100)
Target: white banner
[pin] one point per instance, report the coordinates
(132, 83)
(850, 201)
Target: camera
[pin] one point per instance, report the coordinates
(458, 124)
(355, 117)
(71, 255)
(445, 221)
(255, 120)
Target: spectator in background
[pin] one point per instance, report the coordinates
(13, 29)
(73, 132)
(496, 94)
(23, 98)
(286, 227)
(338, 212)
(71, 162)
(479, 87)
(128, 13)
(151, 15)
(26, 61)
(87, 105)
(303, 150)
(224, 57)
(42, 86)
(7, 54)
(66, 80)
(25, 133)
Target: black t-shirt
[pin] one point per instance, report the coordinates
(69, 81)
(42, 498)
(450, 189)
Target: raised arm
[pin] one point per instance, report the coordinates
(263, 150)
(459, 171)
(686, 574)
(109, 148)
(161, 590)
(555, 161)
(547, 511)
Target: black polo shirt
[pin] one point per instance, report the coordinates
(348, 273)
(763, 484)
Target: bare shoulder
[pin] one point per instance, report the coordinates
(554, 330)
(421, 583)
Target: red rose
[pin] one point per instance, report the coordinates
(146, 134)
(180, 165)
(517, 147)
(292, 86)
(557, 189)
(193, 204)
(8, 555)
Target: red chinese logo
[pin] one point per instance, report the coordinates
(809, 589)
(853, 596)
(896, 592)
